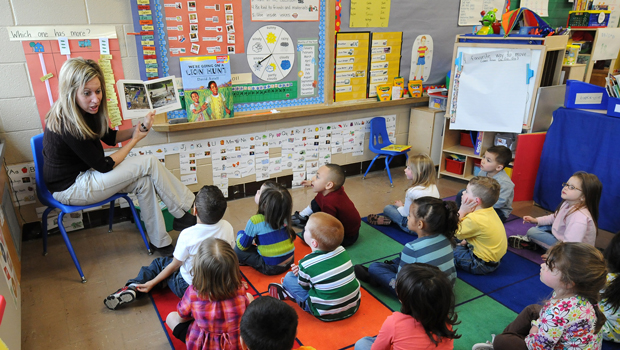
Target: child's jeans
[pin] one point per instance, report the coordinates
(175, 281)
(291, 284)
(514, 335)
(392, 212)
(252, 258)
(365, 343)
(385, 274)
(542, 234)
(465, 259)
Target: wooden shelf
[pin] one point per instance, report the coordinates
(462, 150)
(462, 177)
(574, 65)
(293, 112)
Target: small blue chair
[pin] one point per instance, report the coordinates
(46, 198)
(378, 139)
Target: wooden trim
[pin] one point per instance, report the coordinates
(294, 112)
(330, 62)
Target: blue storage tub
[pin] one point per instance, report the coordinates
(613, 107)
(585, 96)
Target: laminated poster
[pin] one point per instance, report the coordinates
(285, 10)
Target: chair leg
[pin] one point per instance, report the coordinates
(111, 219)
(370, 166)
(137, 218)
(63, 232)
(44, 229)
(388, 159)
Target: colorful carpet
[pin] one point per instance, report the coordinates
(485, 304)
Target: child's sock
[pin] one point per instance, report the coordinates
(306, 212)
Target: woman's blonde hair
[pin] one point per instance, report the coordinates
(66, 115)
(216, 270)
(422, 170)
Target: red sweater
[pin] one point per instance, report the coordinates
(339, 205)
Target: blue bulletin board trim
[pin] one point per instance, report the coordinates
(162, 55)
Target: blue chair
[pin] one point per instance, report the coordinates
(46, 198)
(379, 139)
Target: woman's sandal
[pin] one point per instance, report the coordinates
(379, 220)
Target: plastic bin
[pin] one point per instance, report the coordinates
(454, 166)
(168, 218)
(584, 95)
(477, 163)
(591, 19)
(613, 107)
(466, 139)
(436, 100)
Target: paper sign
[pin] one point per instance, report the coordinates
(607, 44)
(63, 43)
(284, 10)
(469, 12)
(104, 46)
(589, 98)
(189, 179)
(55, 32)
(370, 13)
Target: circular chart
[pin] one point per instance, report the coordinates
(270, 53)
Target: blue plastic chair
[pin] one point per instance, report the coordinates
(379, 139)
(46, 198)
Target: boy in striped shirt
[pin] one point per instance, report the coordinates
(324, 282)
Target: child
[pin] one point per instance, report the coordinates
(273, 253)
(331, 199)
(217, 103)
(575, 219)
(268, 324)
(482, 233)
(176, 271)
(436, 222)
(421, 171)
(324, 283)
(495, 159)
(426, 318)
(210, 311)
(571, 318)
(197, 114)
(610, 305)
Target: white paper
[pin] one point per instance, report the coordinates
(541, 7)
(588, 98)
(607, 44)
(283, 10)
(189, 179)
(469, 11)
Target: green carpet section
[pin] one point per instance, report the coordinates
(464, 292)
(479, 319)
(372, 245)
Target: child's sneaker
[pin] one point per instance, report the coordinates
(488, 345)
(299, 220)
(122, 296)
(521, 242)
(362, 274)
(277, 291)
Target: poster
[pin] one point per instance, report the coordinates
(469, 11)
(307, 50)
(285, 10)
(204, 28)
(207, 87)
(370, 13)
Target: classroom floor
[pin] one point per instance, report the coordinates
(60, 312)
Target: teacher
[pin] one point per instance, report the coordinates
(76, 170)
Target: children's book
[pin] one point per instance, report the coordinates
(478, 144)
(207, 87)
(396, 148)
(139, 97)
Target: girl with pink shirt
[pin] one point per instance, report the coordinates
(575, 219)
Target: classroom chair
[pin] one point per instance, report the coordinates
(45, 197)
(379, 139)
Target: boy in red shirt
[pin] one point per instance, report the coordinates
(331, 199)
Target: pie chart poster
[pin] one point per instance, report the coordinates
(198, 74)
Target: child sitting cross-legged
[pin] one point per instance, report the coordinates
(176, 271)
(209, 314)
(324, 283)
(268, 324)
(610, 305)
(482, 234)
(426, 319)
(269, 229)
(331, 199)
(436, 222)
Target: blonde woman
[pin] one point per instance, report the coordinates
(76, 170)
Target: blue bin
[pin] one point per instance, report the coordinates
(613, 107)
(585, 96)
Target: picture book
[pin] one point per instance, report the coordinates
(396, 148)
(139, 97)
(207, 87)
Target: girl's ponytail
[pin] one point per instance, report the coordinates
(439, 216)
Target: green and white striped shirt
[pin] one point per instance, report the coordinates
(334, 292)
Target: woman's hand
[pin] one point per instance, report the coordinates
(530, 220)
(138, 134)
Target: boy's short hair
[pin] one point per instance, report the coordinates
(336, 175)
(485, 188)
(269, 324)
(210, 205)
(328, 231)
(194, 92)
(211, 82)
(503, 155)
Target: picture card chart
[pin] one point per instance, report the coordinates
(285, 10)
(385, 56)
(370, 13)
(469, 11)
(200, 28)
(351, 66)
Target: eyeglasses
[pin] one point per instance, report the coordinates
(570, 187)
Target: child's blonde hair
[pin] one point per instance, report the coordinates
(328, 231)
(216, 270)
(485, 188)
(422, 171)
(583, 266)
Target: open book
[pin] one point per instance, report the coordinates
(139, 97)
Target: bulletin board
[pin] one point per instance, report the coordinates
(312, 32)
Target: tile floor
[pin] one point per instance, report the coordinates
(60, 312)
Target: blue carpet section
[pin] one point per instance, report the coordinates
(523, 293)
(394, 232)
